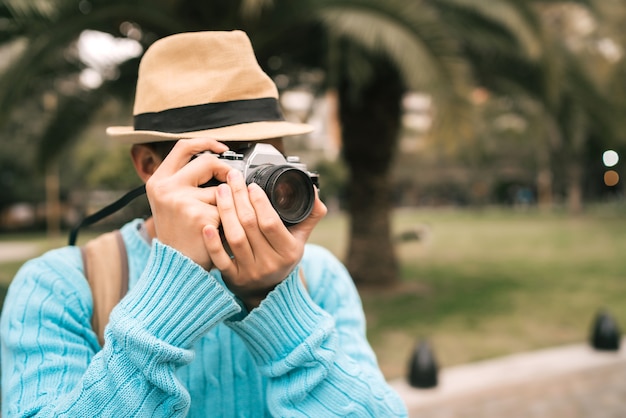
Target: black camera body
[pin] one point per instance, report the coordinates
(286, 181)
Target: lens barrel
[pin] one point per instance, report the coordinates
(289, 189)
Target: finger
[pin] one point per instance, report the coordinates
(211, 216)
(270, 224)
(245, 211)
(303, 230)
(185, 149)
(233, 230)
(219, 257)
(202, 169)
(204, 194)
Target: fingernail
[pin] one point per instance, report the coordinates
(254, 188)
(223, 190)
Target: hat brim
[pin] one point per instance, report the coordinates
(253, 131)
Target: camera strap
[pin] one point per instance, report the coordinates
(106, 211)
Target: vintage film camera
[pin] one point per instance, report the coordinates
(285, 180)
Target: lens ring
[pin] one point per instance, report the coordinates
(290, 190)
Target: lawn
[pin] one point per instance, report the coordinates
(480, 284)
(487, 283)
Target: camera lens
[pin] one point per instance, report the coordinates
(289, 189)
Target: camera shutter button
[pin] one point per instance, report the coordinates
(232, 155)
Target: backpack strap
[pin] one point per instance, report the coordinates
(302, 277)
(105, 263)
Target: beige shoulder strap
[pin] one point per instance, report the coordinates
(106, 268)
(302, 277)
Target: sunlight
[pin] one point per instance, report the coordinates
(102, 53)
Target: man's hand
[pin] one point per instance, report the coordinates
(180, 208)
(264, 250)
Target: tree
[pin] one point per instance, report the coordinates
(563, 92)
(289, 22)
(385, 50)
(372, 52)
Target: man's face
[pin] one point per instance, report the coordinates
(147, 157)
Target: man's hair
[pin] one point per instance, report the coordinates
(162, 148)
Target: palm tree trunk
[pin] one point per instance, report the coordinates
(544, 177)
(575, 188)
(53, 202)
(371, 257)
(370, 126)
(576, 124)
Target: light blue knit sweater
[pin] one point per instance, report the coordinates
(179, 343)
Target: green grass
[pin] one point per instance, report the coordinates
(488, 283)
(40, 242)
(494, 282)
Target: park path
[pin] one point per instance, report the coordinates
(15, 251)
(573, 381)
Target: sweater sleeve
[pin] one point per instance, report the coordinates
(52, 364)
(311, 344)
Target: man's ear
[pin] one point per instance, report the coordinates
(145, 160)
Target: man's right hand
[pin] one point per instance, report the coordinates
(180, 208)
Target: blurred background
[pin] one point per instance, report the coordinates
(468, 150)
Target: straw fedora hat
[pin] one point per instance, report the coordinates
(204, 84)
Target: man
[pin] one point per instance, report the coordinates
(269, 327)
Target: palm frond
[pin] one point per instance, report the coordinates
(512, 19)
(34, 9)
(75, 112)
(72, 115)
(45, 46)
(427, 58)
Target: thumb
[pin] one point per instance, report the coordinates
(303, 230)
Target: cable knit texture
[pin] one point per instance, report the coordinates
(179, 343)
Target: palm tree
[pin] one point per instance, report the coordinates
(49, 32)
(384, 51)
(372, 51)
(564, 92)
(376, 51)
(586, 108)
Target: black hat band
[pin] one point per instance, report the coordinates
(210, 116)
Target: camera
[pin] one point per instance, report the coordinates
(285, 180)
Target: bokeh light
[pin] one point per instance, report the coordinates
(611, 178)
(610, 158)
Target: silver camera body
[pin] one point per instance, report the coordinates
(286, 181)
